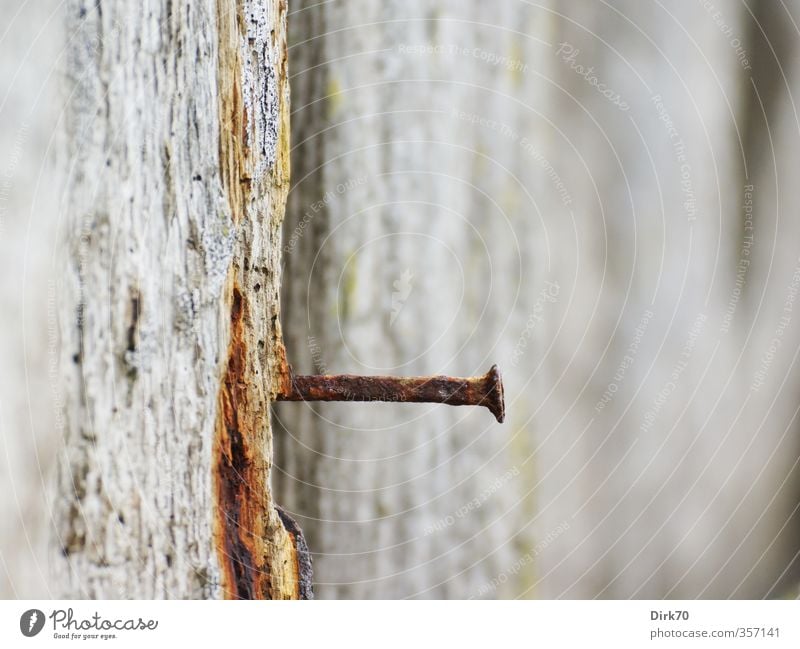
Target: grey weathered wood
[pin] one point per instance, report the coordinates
(406, 269)
(401, 471)
(600, 506)
(176, 124)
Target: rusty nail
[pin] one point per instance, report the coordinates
(486, 390)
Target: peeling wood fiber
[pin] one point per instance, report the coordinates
(257, 554)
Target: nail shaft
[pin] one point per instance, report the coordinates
(486, 390)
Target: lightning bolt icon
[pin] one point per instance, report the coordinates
(32, 621)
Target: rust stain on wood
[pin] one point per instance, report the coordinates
(239, 477)
(261, 554)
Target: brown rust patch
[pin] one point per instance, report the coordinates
(258, 557)
(234, 473)
(239, 497)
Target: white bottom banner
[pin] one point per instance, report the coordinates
(401, 624)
